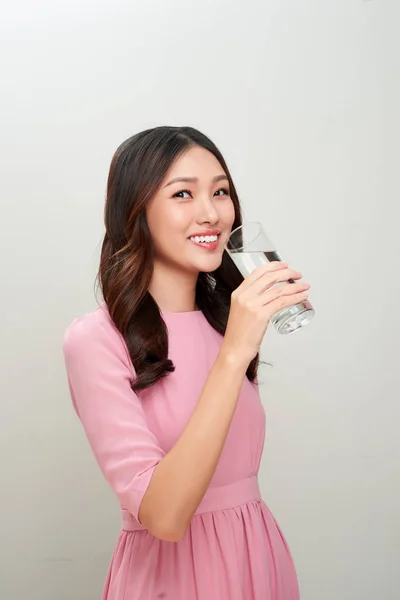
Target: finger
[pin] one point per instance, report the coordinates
(258, 272)
(286, 295)
(286, 301)
(273, 278)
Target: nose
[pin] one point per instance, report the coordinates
(206, 211)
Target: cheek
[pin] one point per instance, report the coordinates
(167, 224)
(228, 213)
(163, 218)
(175, 222)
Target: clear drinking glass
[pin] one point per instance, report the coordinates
(250, 247)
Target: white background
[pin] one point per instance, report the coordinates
(303, 97)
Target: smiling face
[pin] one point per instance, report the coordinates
(191, 214)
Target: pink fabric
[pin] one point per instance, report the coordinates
(233, 549)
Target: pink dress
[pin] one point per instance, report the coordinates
(233, 549)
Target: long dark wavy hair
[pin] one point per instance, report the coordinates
(137, 170)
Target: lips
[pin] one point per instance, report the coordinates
(209, 246)
(204, 233)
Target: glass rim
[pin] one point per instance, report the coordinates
(248, 242)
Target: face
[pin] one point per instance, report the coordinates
(192, 213)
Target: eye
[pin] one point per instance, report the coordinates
(224, 190)
(179, 194)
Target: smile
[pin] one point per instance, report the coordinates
(204, 238)
(207, 242)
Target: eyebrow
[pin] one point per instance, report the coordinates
(195, 179)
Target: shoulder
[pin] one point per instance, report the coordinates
(88, 326)
(91, 332)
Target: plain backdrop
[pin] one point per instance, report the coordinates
(302, 97)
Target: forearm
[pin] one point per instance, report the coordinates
(181, 478)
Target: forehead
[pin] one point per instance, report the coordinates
(195, 162)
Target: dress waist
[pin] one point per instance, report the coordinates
(216, 498)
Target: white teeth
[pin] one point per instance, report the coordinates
(204, 238)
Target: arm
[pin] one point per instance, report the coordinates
(181, 478)
(161, 490)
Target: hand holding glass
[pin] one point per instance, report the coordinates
(249, 247)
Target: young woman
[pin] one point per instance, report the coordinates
(163, 376)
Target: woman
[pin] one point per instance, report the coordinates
(163, 378)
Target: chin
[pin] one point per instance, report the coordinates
(207, 266)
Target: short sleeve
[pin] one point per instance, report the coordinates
(99, 374)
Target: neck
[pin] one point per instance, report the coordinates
(173, 291)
